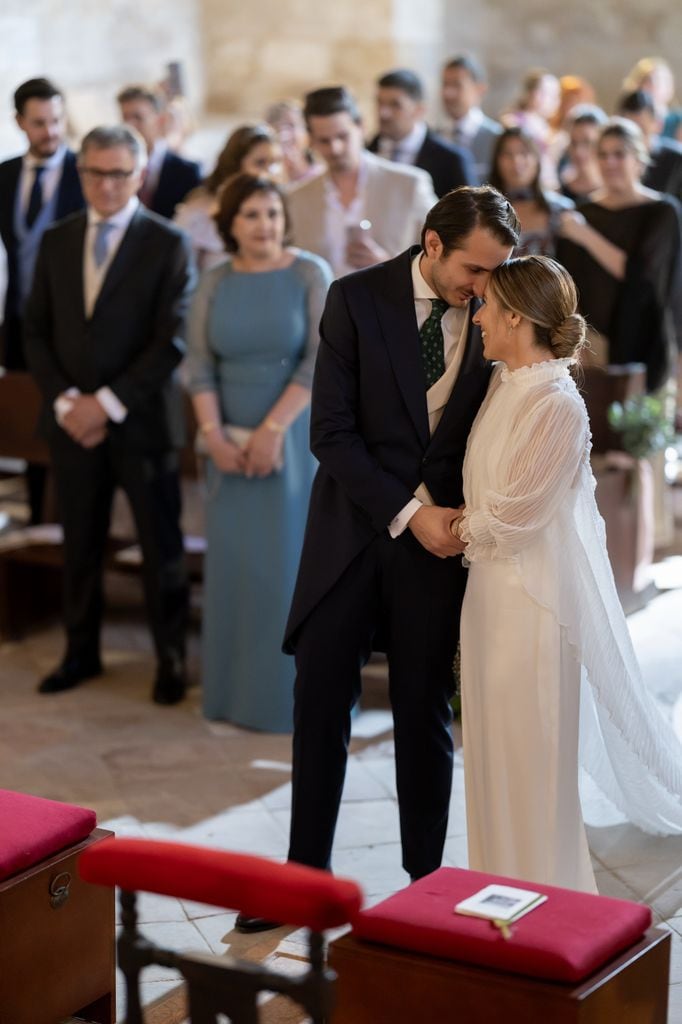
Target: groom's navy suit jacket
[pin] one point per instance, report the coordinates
(370, 429)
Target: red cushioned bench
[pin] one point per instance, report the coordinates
(223, 986)
(56, 931)
(576, 959)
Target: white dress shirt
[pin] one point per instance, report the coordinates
(406, 150)
(468, 126)
(454, 325)
(93, 278)
(49, 181)
(338, 218)
(154, 165)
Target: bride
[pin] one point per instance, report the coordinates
(548, 670)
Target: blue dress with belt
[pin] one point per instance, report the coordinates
(252, 334)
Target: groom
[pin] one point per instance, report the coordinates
(400, 376)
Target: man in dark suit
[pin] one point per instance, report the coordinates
(399, 378)
(35, 189)
(463, 88)
(104, 328)
(405, 138)
(169, 177)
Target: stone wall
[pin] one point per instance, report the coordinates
(238, 55)
(93, 48)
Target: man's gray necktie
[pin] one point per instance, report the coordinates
(433, 349)
(101, 246)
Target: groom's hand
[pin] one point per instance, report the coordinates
(431, 526)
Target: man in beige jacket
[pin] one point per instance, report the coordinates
(363, 209)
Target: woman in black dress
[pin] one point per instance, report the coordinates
(515, 172)
(622, 249)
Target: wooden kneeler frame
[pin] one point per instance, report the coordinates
(288, 893)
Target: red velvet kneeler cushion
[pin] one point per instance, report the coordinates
(565, 939)
(289, 893)
(32, 828)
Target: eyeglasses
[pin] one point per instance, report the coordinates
(97, 175)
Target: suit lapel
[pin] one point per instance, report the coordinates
(73, 245)
(394, 301)
(125, 256)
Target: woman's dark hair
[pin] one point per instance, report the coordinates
(35, 89)
(239, 144)
(234, 193)
(530, 145)
(457, 214)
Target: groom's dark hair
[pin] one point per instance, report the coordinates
(457, 214)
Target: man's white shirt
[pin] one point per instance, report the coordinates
(454, 340)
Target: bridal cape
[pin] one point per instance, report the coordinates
(530, 499)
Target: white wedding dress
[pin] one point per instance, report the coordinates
(548, 670)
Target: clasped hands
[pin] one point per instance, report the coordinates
(85, 421)
(258, 458)
(436, 530)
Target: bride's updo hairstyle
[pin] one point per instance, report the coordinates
(540, 290)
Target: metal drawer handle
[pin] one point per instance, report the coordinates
(59, 890)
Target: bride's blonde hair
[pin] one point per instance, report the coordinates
(541, 290)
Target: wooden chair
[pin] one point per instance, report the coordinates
(289, 893)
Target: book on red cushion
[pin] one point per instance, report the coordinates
(567, 938)
(33, 828)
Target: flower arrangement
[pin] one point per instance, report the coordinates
(643, 424)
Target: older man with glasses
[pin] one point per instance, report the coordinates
(104, 330)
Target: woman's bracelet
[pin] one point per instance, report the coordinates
(277, 428)
(454, 527)
(209, 427)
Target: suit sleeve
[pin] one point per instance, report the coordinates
(336, 437)
(464, 168)
(166, 347)
(38, 350)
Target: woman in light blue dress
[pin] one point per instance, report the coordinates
(253, 334)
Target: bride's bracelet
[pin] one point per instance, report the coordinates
(454, 527)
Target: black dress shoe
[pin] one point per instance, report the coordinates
(247, 924)
(70, 673)
(169, 686)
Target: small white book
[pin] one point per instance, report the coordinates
(502, 904)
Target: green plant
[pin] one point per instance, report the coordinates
(643, 424)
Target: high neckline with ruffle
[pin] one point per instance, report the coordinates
(538, 373)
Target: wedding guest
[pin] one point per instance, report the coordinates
(623, 250)
(516, 173)
(405, 138)
(579, 173)
(168, 176)
(655, 76)
(253, 335)
(664, 170)
(286, 120)
(541, 612)
(537, 104)
(464, 86)
(363, 210)
(250, 149)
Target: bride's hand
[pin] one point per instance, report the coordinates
(431, 526)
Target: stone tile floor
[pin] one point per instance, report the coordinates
(165, 772)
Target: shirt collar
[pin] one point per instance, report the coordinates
(31, 161)
(120, 219)
(419, 286)
(157, 156)
(410, 144)
(471, 122)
